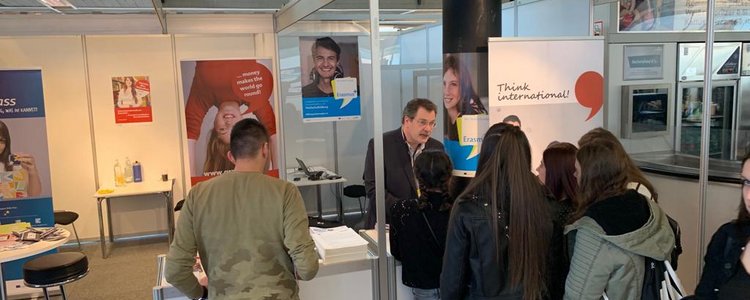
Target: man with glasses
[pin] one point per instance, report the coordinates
(400, 147)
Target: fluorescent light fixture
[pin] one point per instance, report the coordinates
(56, 3)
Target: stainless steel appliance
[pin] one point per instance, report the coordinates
(743, 106)
(647, 110)
(723, 123)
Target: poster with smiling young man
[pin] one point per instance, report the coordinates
(330, 73)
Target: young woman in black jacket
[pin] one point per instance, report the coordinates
(726, 273)
(499, 236)
(418, 226)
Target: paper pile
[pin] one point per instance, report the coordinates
(338, 244)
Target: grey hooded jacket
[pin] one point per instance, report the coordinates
(614, 263)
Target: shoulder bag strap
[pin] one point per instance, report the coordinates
(434, 237)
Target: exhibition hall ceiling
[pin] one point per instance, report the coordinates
(189, 6)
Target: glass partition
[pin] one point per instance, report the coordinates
(326, 130)
(681, 15)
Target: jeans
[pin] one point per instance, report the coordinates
(423, 294)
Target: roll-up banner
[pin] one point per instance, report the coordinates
(552, 88)
(25, 186)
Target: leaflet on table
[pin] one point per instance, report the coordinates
(338, 242)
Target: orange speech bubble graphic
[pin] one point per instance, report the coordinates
(590, 92)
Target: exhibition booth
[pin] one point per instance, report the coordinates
(118, 91)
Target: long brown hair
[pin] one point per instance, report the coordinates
(560, 164)
(506, 180)
(633, 172)
(602, 175)
(216, 155)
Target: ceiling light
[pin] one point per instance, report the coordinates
(56, 3)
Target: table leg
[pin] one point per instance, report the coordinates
(339, 203)
(101, 227)
(109, 220)
(168, 197)
(320, 204)
(3, 288)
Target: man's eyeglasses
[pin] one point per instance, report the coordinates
(423, 123)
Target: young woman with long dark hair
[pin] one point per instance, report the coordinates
(418, 226)
(499, 236)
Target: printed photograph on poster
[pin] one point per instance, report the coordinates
(643, 62)
(598, 27)
(24, 156)
(217, 94)
(647, 15)
(463, 101)
(132, 99)
(330, 78)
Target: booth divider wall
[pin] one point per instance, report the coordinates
(61, 59)
(155, 144)
(83, 138)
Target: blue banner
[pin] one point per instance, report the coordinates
(25, 185)
(21, 94)
(330, 109)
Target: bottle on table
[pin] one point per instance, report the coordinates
(128, 170)
(137, 172)
(119, 174)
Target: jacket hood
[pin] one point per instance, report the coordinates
(653, 239)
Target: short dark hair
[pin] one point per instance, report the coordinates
(512, 118)
(328, 43)
(411, 108)
(247, 137)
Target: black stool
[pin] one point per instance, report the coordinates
(55, 270)
(63, 217)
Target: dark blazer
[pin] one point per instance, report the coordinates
(399, 175)
(722, 259)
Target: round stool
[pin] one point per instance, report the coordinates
(55, 270)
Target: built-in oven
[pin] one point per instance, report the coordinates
(647, 110)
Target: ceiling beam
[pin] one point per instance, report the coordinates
(160, 15)
(296, 10)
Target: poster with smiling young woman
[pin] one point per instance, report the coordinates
(217, 94)
(330, 73)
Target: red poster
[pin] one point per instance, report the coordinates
(132, 99)
(218, 94)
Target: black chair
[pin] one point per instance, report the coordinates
(64, 217)
(356, 191)
(55, 270)
(179, 205)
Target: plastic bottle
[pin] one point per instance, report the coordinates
(128, 170)
(119, 174)
(137, 174)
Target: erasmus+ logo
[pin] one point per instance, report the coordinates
(644, 61)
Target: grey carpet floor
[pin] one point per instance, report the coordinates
(128, 273)
(130, 270)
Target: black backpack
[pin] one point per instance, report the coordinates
(677, 250)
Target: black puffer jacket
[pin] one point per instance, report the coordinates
(471, 268)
